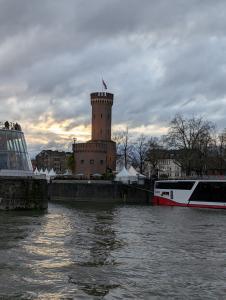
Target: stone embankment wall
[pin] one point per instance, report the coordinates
(23, 193)
(136, 194)
(96, 191)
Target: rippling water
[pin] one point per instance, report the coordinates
(113, 252)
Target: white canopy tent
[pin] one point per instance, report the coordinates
(52, 173)
(36, 171)
(41, 171)
(133, 172)
(123, 176)
(97, 175)
(130, 176)
(67, 173)
(138, 177)
(39, 174)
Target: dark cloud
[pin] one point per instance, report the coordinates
(159, 57)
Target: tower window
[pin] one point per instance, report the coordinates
(91, 161)
(101, 161)
(82, 161)
(101, 116)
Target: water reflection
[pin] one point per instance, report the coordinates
(16, 226)
(15, 229)
(102, 240)
(107, 252)
(65, 252)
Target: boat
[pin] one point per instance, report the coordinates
(190, 193)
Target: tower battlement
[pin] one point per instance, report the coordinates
(102, 98)
(102, 95)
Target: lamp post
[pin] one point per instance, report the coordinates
(73, 145)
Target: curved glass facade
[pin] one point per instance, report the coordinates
(13, 151)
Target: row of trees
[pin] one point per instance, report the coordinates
(193, 143)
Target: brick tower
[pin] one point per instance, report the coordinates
(97, 156)
(101, 116)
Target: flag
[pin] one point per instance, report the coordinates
(104, 84)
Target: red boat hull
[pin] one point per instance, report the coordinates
(167, 202)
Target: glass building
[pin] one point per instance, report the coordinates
(13, 150)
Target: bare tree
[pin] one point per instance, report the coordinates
(154, 153)
(222, 144)
(123, 146)
(192, 137)
(139, 152)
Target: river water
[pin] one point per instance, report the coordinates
(113, 252)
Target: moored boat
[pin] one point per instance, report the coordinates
(191, 193)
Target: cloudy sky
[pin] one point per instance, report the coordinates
(159, 58)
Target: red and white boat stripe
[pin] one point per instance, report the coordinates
(156, 200)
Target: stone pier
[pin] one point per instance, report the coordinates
(23, 193)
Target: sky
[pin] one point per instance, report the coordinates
(158, 57)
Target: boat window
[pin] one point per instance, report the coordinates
(175, 185)
(209, 192)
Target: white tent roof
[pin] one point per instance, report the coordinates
(123, 173)
(133, 172)
(67, 172)
(97, 175)
(142, 176)
(52, 172)
(36, 172)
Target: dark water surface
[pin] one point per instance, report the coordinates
(113, 252)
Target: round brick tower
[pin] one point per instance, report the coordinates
(101, 116)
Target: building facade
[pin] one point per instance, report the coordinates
(167, 167)
(97, 156)
(49, 159)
